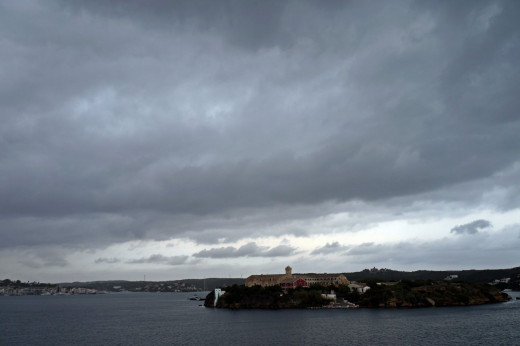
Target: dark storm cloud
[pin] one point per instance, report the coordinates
(472, 227)
(329, 248)
(126, 120)
(248, 24)
(248, 250)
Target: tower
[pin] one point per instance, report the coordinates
(288, 271)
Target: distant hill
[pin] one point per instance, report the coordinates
(186, 285)
(212, 283)
(473, 275)
(383, 274)
(424, 293)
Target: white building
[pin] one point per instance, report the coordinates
(218, 294)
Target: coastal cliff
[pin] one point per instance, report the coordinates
(405, 294)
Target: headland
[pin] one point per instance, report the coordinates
(287, 291)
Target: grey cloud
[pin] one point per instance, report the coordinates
(478, 251)
(45, 257)
(161, 259)
(36, 263)
(222, 252)
(329, 248)
(248, 250)
(248, 25)
(124, 120)
(279, 251)
(77, 231)
(107, 260)
(472, 227)
(364, 248)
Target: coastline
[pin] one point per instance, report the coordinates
(401, 295)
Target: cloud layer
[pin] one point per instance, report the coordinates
(247, 250)
(220, 123)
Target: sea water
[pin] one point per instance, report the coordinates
(172, 319)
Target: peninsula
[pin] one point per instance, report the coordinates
(284, 291)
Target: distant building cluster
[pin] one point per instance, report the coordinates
(359, 287)
(18, 288)
(290, 280)
(160, 287)
(27, 291)
(500, 281)
(451, 277)
(45, 291)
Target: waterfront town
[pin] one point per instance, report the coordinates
(18, 288)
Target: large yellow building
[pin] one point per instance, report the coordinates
(291, 280)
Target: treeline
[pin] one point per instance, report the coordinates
(158, 286)
(272, 297)
(212, 283)
(474, 275)
(20, 284)
(424, 293)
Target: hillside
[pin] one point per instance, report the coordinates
(474, 275)
(422, 293)
(186, 285)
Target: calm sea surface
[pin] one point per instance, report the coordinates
(172, 319)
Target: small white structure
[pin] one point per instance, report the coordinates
(329, 296)
(451, 277)
(218, 294)
(360, 287)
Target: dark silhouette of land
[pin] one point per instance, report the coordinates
(193, 285)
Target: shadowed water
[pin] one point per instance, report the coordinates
(170, 318)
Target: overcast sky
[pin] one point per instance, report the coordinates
(191, 139)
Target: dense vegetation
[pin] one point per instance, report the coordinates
(422, 293)
(256, 297)
(476, 276)
(407, 293)
(19, 284)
